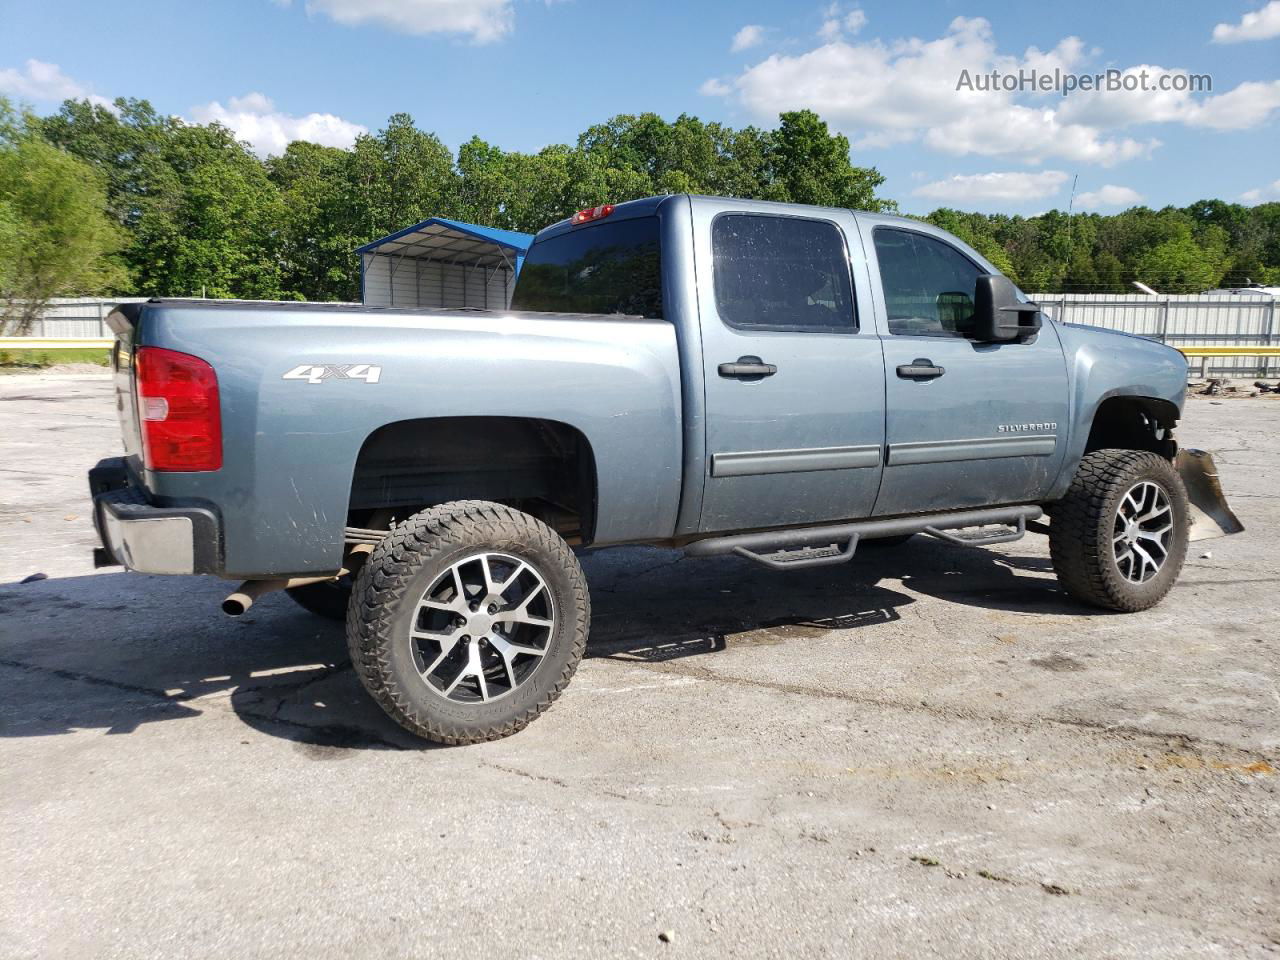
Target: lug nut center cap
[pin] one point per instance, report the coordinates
(479, 624)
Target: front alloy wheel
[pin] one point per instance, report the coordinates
(1143, 531)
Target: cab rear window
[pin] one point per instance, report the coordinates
(612, 267)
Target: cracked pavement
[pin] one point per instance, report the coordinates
(930, 751)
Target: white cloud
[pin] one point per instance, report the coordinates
(1259, 25)
(1246, 105)
(254, 118)
(1014, 187)
(1109, 196)
(714, 87)
(483, 21)
(45, 83)
(836, 26)
(1262, 194)
(883, 94)
(752, 35)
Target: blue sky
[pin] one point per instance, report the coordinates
(525, 73)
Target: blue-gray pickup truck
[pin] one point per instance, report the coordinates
(784, 383)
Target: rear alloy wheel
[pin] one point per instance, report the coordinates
(482, 627)
(1119, 537)
(468, 620)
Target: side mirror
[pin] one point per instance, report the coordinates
(998, 315)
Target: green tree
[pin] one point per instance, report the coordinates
(1179, 263)
(809, 164)
(202, 216)
(399, 176)
(55, 239)
(318, 230)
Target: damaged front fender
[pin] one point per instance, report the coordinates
(1210, 515)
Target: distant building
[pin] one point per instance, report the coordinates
(442, 263)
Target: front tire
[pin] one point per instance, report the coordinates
(1119, 537)
(467, 621)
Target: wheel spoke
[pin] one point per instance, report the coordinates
(447, 642)
(1127, 555)
(510, 581)
(520, 613)
(510, 666)
(1156, 535)
(1147, 559)
(490, 588)
(507, 648)
(1156, 511)
(451, 606)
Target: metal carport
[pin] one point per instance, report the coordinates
(442, 263)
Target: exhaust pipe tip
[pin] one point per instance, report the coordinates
(236, 604)
(239, 602)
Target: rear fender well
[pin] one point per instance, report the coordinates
(519, 460)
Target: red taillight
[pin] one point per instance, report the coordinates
(178, 407)
(592, 213)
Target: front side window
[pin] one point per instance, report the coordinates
(608, 267)
(928, 284)
(781, 273)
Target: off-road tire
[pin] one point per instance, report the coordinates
(329, 599)
(1080, 533)
(404, 565)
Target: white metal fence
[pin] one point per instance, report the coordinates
(1193, 320)
(81, 317)
(1203, 320)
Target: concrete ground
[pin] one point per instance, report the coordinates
(928, 752)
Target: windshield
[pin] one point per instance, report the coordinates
(609, 267)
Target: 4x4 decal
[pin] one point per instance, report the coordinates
(316, 372)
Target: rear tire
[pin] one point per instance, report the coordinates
(328, 599)
(1119, 537)
(467, 621)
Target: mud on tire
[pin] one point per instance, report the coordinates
(428, 577)
(1097, 525)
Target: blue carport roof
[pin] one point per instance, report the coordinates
(453, 241)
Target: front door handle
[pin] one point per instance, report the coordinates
(747, 368)
(921, 368)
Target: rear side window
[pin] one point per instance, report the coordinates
(608, 267)
(781, 273)
(928, 284)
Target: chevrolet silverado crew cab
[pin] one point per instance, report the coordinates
(783, 383)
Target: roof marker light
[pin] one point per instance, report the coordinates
(592, 213)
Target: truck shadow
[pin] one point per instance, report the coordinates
(113, 652)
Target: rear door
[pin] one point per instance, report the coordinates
(794, 382)
(967, 424)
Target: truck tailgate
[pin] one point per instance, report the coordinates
(123, 323)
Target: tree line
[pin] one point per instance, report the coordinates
(127, 201)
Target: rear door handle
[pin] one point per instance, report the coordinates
(747, 368)
(921, 368)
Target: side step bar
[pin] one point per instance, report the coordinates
(795, 548)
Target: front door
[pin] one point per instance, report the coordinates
(794, 382)
(968, 424)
